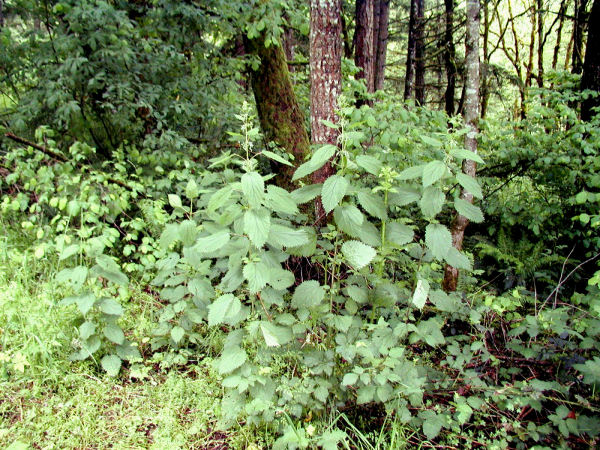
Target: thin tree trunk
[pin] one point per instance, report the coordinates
(382, 40)
(449, 58)
(420, 54)
(410, 52)
(1, 14)
(568, 58)
(562, 11)
(529, 68)
(281, 119)
(325, 80)
(578, 32)
(471, 116)
(364, 50)
(540, 29)
(590, 78)
(486, 60)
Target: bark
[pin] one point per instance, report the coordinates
(382, 40)
(590, 78)
(578, 32)
(529, 69)
(1, 14)
(420, 54)
(410, 52)
(561, 13)
(471, 116)
(540, 55)
(281, 118)
(325, 80)
(449, 58)
(364, 50)
(486, 60)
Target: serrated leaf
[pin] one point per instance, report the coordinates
(358, 254)
(127, 351)
(359, 295)
(432, 425)
(68, 251)
(369, 163)
(468, 210)
(110, 307)
(111, 364)
(348, 218)
(257, 224)
(470, 184)
(373, 204)
(191, 189)
(274, 335)
(74, 277)
(220, 199)
(210, 244)
(253, 188)
(433, 142)
(232, 357)
(350, 379)
(308, 294)
(462, 153)
(306, 193)
(281, 236)
(421, 292)
(404, 195)
(438, 239)
(188, 231)
(398, 234)
(411, 173)
(334, 189)
(224, 308)
(107, 268)
(432, 201)
(177, 334)
(175, 201)
(276, 157)
(257, 275)
(281, 201)
(318, 159)
(432, 172)
(113, 333)
(330, 440)
(457, 259)
(86, 329)
(280, 278)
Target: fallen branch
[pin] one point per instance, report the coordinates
(41, 148)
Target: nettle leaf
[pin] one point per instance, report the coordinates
(225, 308)
(470, 211)
(358, 294)
(421, 292)
(334, 189)
(177, 334)
(432, 423)
(107, 268)
(308, 294)
(281, 236)
(276, 157)
(463, 153)
(457, 259)
(210, 244)
(112, 365)
(257, 275)
(68, 251)
(432, 172)
(432, 201)
(113, 333)
(84, 302)
(438, 239)
(233, 356)
(348, 218)
(358, 254)
(306, 193)
(86, 329)
(318, 159)
(257, 224)
(74, 277)
(369, 163)
(188, 231)
(274, 335)
(191, 189)
(281, 201)
(470, 184)
(373, 204)
(411, 173)
(398, 234)
(220, 199)
(175, 201)
(110, 306)
(253, 188)
(404, 195)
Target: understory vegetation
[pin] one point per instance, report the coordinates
(163, 286)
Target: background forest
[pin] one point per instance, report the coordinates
(285, 224)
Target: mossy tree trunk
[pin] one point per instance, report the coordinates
(591, 66)
(281, 119)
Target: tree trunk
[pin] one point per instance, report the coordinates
(562, 11)
(325, 80)
(449, 58)
(364, 51)
(578, 32)
(382, 39)
(540, 61)
(281, 119)
(1, 14)
(410, 52)
(471, 116)
(590, 78)
(420, 54)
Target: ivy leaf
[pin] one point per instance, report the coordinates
(470, 211)
(432, 201)
(432, 172)
(253, 188)
(112, 365)
(373, 204)
(308, 294)
(257, 223)
(470, 184)
(438, 239)
(421, 292)
(333, 192)
(358, 254)
(369, 163)
(224, 308)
